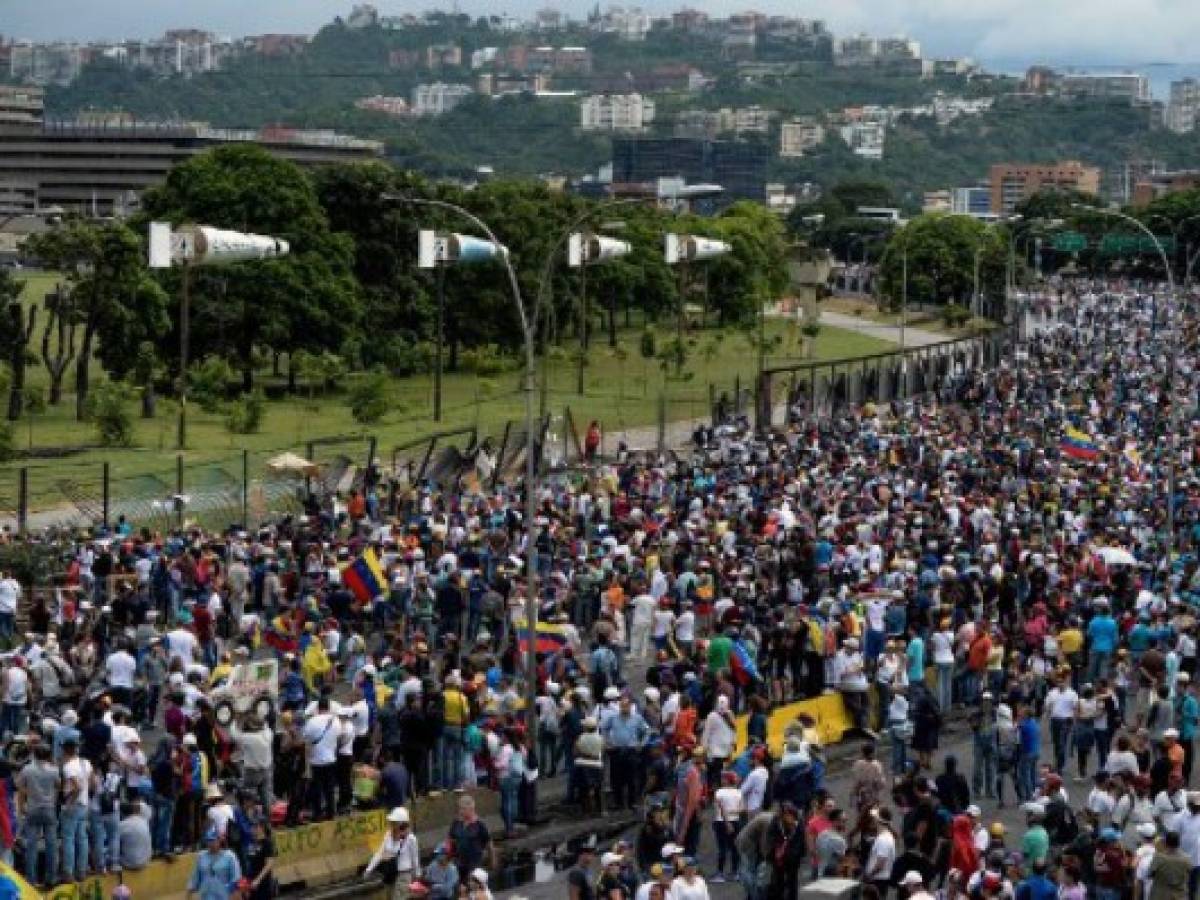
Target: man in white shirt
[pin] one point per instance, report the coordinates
(182, 645)
(754, 788)
(881, 858)
(10, 595)
(73, 819)
(1061, 704)
(321, 733)
(120, 668)
(643, 607)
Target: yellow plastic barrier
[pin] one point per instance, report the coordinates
(829, 712)
(315, 854)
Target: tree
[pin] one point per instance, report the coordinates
(112, 295)
(61, 326)
(16, 328)
(941, 254)
(306, 300)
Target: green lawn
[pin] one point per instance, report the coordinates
(622, 390)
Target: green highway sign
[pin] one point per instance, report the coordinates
(1069, 242)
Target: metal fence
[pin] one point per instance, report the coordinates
(829, 387)
(239, 487)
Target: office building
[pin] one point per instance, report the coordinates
(616, 112)
(1013, 182)
(99, 167)
(740, 167)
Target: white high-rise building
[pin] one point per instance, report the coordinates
(616, 112)
(438, 98)
(1183, 105)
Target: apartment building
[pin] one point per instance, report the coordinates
(616, 112)
(1183, 104)
(438, 98)
(799, 136)
(1010, 183)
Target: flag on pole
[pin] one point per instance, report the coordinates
(364, 577)
(1079, 445)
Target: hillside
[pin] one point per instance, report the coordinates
(521, 135)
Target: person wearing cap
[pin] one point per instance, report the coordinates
(477, 885)
(217, 871)
(321, 733)
(398, 853)
(1110, 864)
(579, 877)
(1035, 845)
(985, 743)
(912, 886)
(440, 875)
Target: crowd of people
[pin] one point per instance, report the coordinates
(1004, 547)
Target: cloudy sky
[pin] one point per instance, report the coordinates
(1100, 32)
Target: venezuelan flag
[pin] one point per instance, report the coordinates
(742, 665)
(364, 577)
(1133, 458)
(1078, 445)
(551, 638)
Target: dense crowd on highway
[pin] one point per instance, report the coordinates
(1012, 548)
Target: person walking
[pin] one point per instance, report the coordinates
(398, 856)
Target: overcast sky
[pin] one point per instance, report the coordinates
(1116, 32)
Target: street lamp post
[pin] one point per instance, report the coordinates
(1172, 370)
(527, 330)
(584, 251)
(202, 245)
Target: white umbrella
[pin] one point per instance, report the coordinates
(292, 464)
(1116, 556)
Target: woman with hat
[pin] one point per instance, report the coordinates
(217, 872)
(398, 854)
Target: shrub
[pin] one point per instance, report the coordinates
(35, 401)
(208, 383)
(368, 397)
(486, 360)
(955, 315)
(109, 407)
(648, 345)
(245, 414)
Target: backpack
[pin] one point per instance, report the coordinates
(1060, 822)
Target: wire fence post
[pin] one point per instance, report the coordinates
(245, 489)
(22, 500)
(179, 487)
(662, 421)
(105, 493)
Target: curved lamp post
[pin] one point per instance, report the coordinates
(1172, 371)
(528, 333)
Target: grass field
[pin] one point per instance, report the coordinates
(622, 390)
